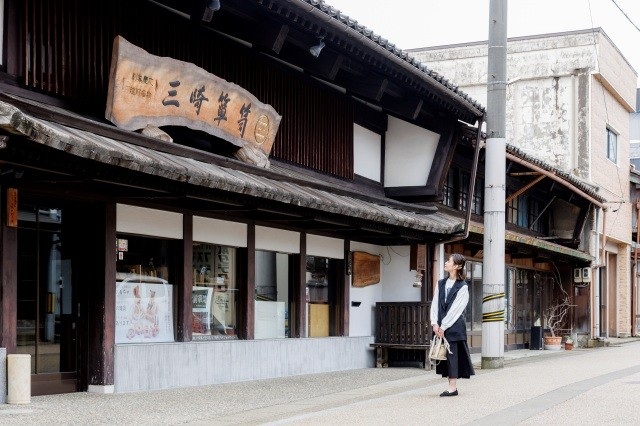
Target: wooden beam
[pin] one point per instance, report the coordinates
(184, 280)
(248, 330)
(102, 300)
(524, 189)
(9, 284)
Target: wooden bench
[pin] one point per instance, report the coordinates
(401, 326)
(382, 353)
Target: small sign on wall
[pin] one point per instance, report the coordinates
(366, 269)
(12, 207)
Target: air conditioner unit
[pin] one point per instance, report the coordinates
(577, 275)
(586, 275)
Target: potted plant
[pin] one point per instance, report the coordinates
(568, 343)
(554, 317)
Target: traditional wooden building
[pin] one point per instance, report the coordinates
(547, 255)
(145, 246)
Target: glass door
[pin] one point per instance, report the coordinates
(47, 318)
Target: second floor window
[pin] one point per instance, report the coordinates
(612, 145)
(456, 191)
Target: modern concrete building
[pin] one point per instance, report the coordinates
(569, 100)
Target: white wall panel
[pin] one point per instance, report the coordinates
(409, 152)
(325, 247)
(367, 153)
(273, 239)
(145, 221)
(220, 232)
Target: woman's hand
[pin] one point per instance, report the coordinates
(438, 331)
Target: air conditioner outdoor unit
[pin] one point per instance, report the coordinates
(586, 275)
(577, 275)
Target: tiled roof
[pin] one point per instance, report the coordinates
(578, 183)
(392, 48)
(86, 144)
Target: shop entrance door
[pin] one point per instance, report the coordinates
(47, 310)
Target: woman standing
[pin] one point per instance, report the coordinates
(450, 298)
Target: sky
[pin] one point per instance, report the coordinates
(421, 23)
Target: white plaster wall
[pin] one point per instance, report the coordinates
(396, 285)
(221, 232)
(144, 221)
(280, 240)
(541, 119)
(324, 246)
(367, 153)
(361, 318)
(397, 277)
(409, 152)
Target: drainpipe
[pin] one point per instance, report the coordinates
(634, 282)
(467, 220)
(595, 333)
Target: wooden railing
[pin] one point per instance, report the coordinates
(404, 329)
(403, 323)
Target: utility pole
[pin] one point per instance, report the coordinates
(494, 193)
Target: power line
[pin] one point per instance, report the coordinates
(625, 14)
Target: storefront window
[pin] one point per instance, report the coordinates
(320, 295)
(215, 292)
(272, 305)
(144, 294)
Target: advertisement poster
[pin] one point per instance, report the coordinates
(201, 301)
(144, 312)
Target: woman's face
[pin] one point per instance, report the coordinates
(451, 267)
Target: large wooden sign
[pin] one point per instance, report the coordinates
(150, 90)
(366, 269)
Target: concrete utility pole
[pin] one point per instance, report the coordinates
(494, 193)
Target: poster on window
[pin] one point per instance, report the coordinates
(144, 312)
(201, 302)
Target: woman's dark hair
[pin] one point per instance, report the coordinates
(459, 260)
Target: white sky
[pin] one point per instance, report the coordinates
(420, 23)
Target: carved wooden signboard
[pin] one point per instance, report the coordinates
(366, 269)
(147, 90)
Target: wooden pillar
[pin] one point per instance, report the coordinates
(248, 275)
(343, 296)
(299, 289)
(184, 280)
(102, 301)
(9, 283)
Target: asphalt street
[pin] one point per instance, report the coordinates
(582, 386)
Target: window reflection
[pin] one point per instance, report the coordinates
(214, 293)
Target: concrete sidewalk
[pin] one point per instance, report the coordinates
(255, 402)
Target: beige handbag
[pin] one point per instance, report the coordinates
(439, 349)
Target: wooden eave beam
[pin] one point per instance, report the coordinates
(523, 189)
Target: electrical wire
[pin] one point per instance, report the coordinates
(625, 14)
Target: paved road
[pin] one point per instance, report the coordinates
(584, 386)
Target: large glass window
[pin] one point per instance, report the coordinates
(46, 320)
(272, 306)
(144, 294)
(215, 292)
(321, 295)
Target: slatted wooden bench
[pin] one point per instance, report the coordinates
(401, 326)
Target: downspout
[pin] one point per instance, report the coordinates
(634, 285)
(467, 220)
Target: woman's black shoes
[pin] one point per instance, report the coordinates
(447, 393)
